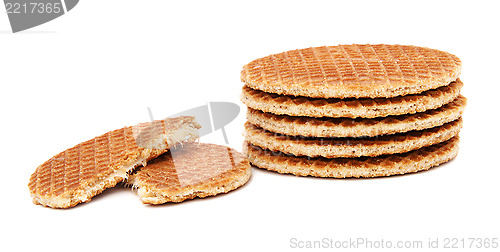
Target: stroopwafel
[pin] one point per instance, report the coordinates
(189, 171)
(366, 167)
(352, 71)
(359, 127)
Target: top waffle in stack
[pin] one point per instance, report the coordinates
(353, 110)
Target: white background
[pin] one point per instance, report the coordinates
(101, 65)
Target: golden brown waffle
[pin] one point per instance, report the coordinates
(386, 165)
(350, 147)
(359, 127)
(352, 108)
(189, 171)
(85, 170)
(352, 71)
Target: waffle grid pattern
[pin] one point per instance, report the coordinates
(352, 71)
(83, 164)
(193, 170)
(78, 173)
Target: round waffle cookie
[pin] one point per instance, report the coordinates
(351, 108)
(385, 165)
(189, 171)
(359, 127)
(350, 147)
(352, 71)
(85, 170)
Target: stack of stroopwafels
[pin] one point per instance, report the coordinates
(353, 110)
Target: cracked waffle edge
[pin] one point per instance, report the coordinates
(231, 179)
(149, 195)
(117, 171)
